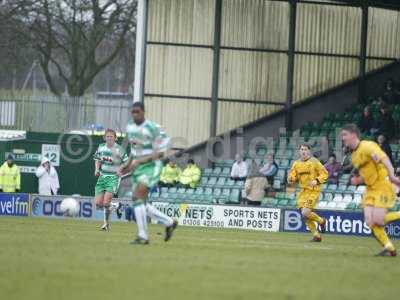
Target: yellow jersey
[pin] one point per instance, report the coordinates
(304, 172)
(367, 158)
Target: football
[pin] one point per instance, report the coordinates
(70, 207)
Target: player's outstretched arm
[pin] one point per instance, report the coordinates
(125, 167)
(97, 166)
(292, 176)
(322, 173)
(389, 167)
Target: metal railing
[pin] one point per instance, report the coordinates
(60, 114)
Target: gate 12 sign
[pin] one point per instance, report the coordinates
(52, 153)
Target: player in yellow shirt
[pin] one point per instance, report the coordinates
(310, 175)
(377, 173)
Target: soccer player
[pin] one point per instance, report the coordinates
(310, 175)
(108, 158)
(377, 173)
(148, 144)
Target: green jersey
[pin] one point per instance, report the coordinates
(146, 139)
(110, 158)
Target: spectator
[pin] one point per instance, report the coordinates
(391, 94)
(190, 176)
(48, 178)
(239, 169)
(386, 123)
(170, 174)
(366, 123)
(270, 169)
(10, 178)
(347, 166)
(254, 187)
(385, 146)
(334, 168)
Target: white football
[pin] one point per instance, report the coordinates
(70, 207)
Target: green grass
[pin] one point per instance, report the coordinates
(70, 259)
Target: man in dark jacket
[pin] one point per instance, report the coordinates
(366, 122)
(383, 143)
(386, 123)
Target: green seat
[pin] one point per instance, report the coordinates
(284, 164)
(283, 203)
(351, 206)
(207, 171)
(208, 199)
(280, 195)
(203, 181)
(211, 182)
(269, 202)
(226, 193)
(154, 195)
(219, 163)
(217, 192)
(229, 182)
(208, 191)
(281, 174)
(328, 197)
(331, 187)
(192, 198)
(277, 184)
(234, 196)
(226, 172)
(274, 202)
(221, 182)
(216, 171)
(199, 191)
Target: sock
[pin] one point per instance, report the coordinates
(313, 228)
(392, 216)
(141, 218)
(157, 215)
(380, 234)
(113, 206)
(107, 214)
(314, 217)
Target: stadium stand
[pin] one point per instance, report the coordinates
(217, 188)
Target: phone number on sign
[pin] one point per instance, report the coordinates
(207, 223)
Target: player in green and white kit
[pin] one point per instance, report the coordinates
(108, 159)
(148, 144)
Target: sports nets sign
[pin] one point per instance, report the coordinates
(223, 216)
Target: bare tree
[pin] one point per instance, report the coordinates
(67, 34)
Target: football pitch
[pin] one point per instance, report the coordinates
(71, 259)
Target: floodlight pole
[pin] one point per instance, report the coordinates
(290, 70)
(215, 71)
(363, 50)
(140, 51)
